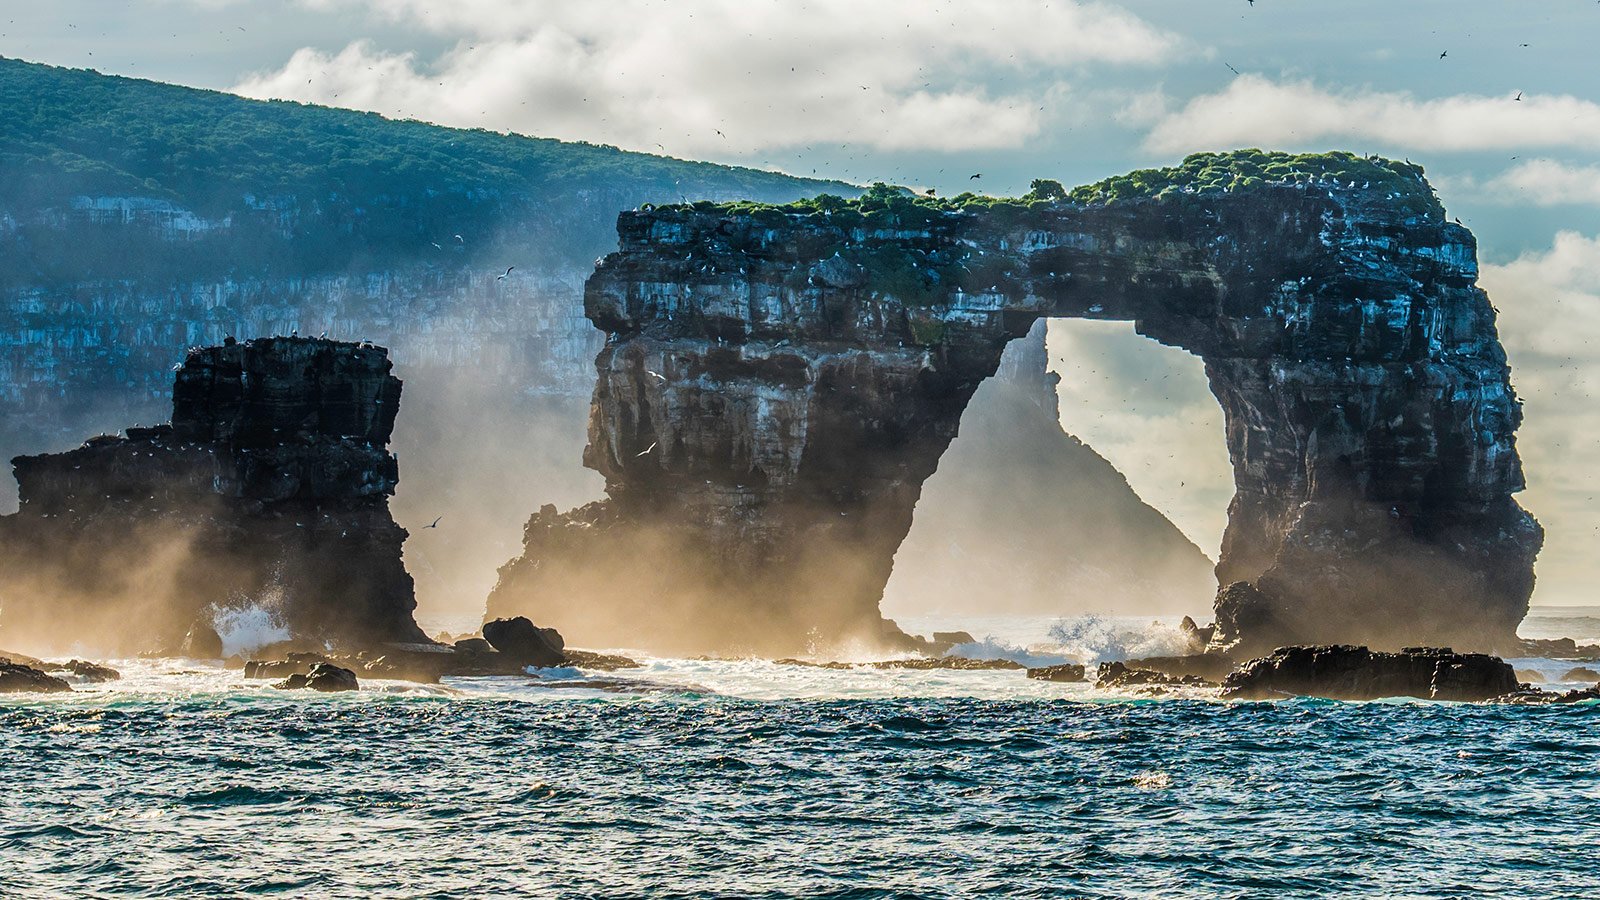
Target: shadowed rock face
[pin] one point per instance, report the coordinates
(270, 487)
(776, 388)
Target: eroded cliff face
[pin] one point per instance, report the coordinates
(269, 489)
(776, 387)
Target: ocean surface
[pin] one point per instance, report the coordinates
(694, 778)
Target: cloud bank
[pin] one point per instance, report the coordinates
(1256, 111)
(725, 77)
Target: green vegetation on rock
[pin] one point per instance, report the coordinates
(1202, 174)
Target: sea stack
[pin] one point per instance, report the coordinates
(270, 487)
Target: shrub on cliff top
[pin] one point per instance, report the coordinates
(1199, 173)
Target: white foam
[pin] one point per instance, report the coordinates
(248, 627)
(1096, 639)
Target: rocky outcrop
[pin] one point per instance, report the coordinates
(525, 643)
(1062, 672)
(1357, 673)
(325, 677)
(269, 487)
(16, 678)
(1127, 675)
(777, 386)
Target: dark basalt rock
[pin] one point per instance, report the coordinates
(1063, 672)
(16, 679)
(1126, 675)
(271, 481)
(88, 671)
(525, 643)
(325, 677)
(1211, 667)
(1559, 648)
(1357, 673)
(776, 387)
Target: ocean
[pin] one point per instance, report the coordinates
(707, 778)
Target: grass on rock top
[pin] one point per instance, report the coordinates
(1203, 174)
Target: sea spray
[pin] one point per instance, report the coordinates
(249, 625)
(1095, 639)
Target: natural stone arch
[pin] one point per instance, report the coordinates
(776, 387)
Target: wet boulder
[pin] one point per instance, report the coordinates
(526, 643)
(325, 677)
(1343, 672)
(1063, 672)
(1125, 675)
(16, 678)
(88, 671)
(202, 641)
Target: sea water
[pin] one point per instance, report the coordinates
(743, 778)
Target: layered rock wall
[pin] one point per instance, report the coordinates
(777, 386)
(268, 489)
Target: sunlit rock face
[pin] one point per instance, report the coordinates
(776, 387)
(269, 488)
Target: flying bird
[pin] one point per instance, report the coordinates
(647, 449)
(507, 272)
(434, 524)
(975, 175)
(1518, 96)
(1444, 54)
(461, 239)
(436, 246)
(1232, 69)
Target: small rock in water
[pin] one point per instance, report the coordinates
(1063, 672)
(1582, 674)
(15, 679)
(1530, 676)
(88, 671)
(1121, 675)
(525, 642)
(202, 642)
(325, 677)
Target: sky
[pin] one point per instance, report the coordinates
(928, 93)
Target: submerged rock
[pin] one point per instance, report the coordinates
(778, 386)
(272, 480)
(526, 643)
(1063, 672)
(1358, 673)
(16, 678)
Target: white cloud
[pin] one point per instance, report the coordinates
(1255, 111)
(891, 75)
(1549, 305)
(1547, 182)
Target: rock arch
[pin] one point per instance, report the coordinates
(776, 387)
